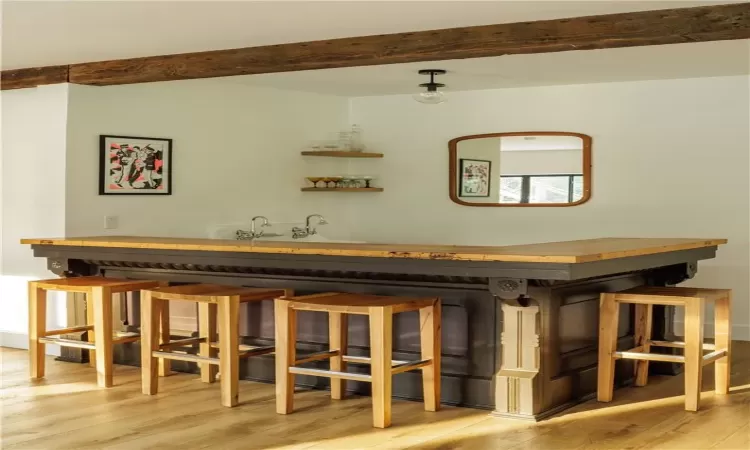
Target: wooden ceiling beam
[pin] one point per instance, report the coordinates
(669, 26)
(35, 76)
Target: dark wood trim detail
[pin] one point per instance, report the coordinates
(668, 26)
(453, 167)
(32, 77)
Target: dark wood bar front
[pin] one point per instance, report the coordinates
(520, 323)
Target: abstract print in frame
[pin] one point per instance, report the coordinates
(135, 165)
(475, 178)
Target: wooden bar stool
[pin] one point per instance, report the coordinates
(210, 297)
(98, 291)
(693, 299)
(380, 311)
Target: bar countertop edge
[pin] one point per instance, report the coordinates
(566, 252)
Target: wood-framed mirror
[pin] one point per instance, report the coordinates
(530, 168)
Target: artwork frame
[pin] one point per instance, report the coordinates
(133, 165)
(474, 178)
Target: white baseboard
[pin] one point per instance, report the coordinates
(21, 340)
(739, 332)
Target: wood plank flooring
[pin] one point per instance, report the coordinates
(68, 411)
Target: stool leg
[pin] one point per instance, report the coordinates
(338, 331)
(165, 365)
(90, 333)
(723, 339)
(430, 326)
(229, 352)
(609, 315)
(102, 300)
(286, 354)
(693, 352)
(643, 325)
(381, 348)
(207, 330)
(150, 321)
(37, 327)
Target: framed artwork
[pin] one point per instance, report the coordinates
(474, 178)
(135, 165)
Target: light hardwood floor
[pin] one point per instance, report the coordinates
(68, 411)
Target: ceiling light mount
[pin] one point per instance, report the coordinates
(431, 95)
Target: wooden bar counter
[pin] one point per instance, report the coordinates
(519, 322)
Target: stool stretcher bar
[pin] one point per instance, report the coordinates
(181, 343)
(366, 360)
(242, 347)
(331, 374)
(67, 330)
(68, 343)
(256, 351)
(126, 339)
(713, 356)
(412, 365)
(675, 344)
(317, 356)
(185, 357)
(649, 357)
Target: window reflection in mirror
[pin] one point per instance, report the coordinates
(521, 169)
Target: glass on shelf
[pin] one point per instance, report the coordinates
(345, 140)
(363, 181)
(315, 180)
(336, 181)
(355, 139)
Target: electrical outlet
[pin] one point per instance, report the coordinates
(110, 222)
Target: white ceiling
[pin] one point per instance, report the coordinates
(39, 33)
(707, 59)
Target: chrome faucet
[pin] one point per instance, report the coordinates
(252, 234)
(298, 233)
(252, 226)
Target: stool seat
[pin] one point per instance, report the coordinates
(670, 295)
(356, 303)
(380, 311)
(84, 285)
(209, 293)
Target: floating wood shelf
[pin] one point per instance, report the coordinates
(335, 154)
(313, 189)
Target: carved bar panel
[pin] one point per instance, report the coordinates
(517, 388)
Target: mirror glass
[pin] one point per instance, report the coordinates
(521, 169)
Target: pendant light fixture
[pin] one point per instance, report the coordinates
(431, 95)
